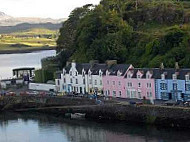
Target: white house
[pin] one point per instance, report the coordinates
(81, 78)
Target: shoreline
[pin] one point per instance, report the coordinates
(18, 51)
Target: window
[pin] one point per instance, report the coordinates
(120, 93)
(76, 73)
(139, 84)
(100, 74)
(147, 94)
(64, 80)
(100, 82)
(108, 82)
(139, 95)
(133, 94)
(148, 85)
(175, 86)
(150, 94)
(113, 82)
(163, 86)
(114, 93)
(138, 76)
(58, 82)
(174, 76)
(187, 87)
(90, 81)
(71, 81)
(129, 76)
(187, 77)
(148, 76)
(64, 73)
(95, 82)
(84, 81)
(70, 73)
(83, 74)
(119, 83)
(164, 95)
(108, 92)
(128, 94)
(130, 84)
(76, 81)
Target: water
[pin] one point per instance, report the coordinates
(11, 61)
(43, 128)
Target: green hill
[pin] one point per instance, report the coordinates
(37, 38)
(142, 32)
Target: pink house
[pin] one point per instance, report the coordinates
(140, 83)
(114, 82)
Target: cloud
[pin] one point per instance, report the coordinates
(42, 8)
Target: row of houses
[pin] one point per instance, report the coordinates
(125, 81)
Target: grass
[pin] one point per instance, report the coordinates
(30, 39)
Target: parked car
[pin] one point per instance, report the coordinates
(11, 94)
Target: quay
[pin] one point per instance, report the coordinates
(167, 116)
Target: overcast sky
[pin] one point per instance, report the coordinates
(42, 8)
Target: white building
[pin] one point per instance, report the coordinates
(81, 78)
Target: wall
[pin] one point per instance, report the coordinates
(42, 87)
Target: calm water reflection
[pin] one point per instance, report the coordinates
(41, 128)
(10, 61)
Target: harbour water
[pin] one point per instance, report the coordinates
(11, 61)
(45, 128)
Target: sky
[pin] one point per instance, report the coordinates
(42, 8)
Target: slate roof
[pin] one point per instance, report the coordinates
(118, 67)
(94, 68)
(157, 72)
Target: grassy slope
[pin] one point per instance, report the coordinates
(13, 41)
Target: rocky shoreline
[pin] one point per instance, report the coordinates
(165, 116)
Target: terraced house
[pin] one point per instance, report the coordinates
(82, 78)
(140, 83)
(113, 80)
(173, 84)
(125, 81)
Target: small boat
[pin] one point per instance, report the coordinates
(77, 115)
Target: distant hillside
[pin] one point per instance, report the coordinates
(142, 32)
(27, 26)
(6, 20)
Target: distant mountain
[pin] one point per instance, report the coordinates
(27, 26)
(6, 20)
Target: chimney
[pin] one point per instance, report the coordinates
(73, 64)
(111, 62)
(68, 63)
(92, 62)
(176, 66)
(162, 66)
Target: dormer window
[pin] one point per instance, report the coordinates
(129, 76)
(162, 76)
(148, 76)
(138, 76)
(70, 73)
(83, 73)
(64, 73)
(107, 73)
(118, 73)
(76, 73)
(174, 76)
(187, 77)
(100, 74)
(89, 73)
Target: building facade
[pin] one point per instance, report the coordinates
(140, 84)
(113, 80)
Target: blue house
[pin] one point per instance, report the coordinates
(173, 84)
